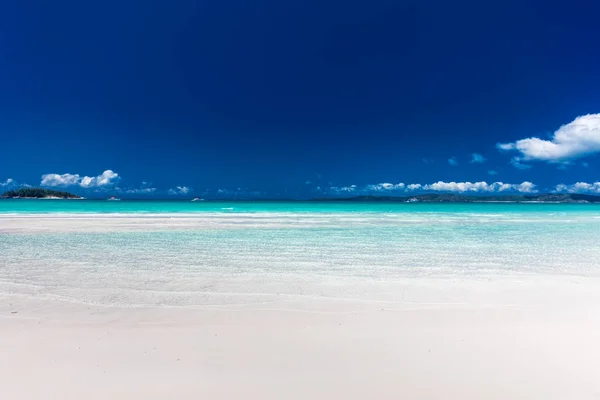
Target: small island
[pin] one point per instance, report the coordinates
(38, 193)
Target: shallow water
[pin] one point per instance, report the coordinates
(208, 256)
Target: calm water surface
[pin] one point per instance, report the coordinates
(354, 250)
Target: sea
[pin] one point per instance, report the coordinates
(211, 253)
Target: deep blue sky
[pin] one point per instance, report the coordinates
(268, 94)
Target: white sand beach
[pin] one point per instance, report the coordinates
(255, 336)
(302, 349)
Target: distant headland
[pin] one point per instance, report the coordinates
(38, 193)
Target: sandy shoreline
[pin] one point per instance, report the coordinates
(318, 349)
(172, 307)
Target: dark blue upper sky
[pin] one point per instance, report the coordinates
(268, 94)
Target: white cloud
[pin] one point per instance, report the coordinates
(480, 187)
(107, 178)
(579, 187)
(453, 161)
(503, 187)
(477, 158)
(179, 191)
(526, 187)
(60, 180)
(492, 172)
(585, 164)
(561, 187)
(385, 187)
(457, 186)
(440, 186)
(577, 139)
(8, 182)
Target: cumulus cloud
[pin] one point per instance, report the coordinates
(577, 139)
(107, 178)
(480, 187)
(526, 187)
(385, 187)
(179, 191)
(579, 187)
(453, 161)
(440, 186)
(60, 180)
(477, 158)
(457, 186)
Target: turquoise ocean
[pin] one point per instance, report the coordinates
(24, 206)
(222, 253)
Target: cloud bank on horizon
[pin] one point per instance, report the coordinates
(105, 183)
(579, 187)
(482, 187)
(440, 186)
(577, 139)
